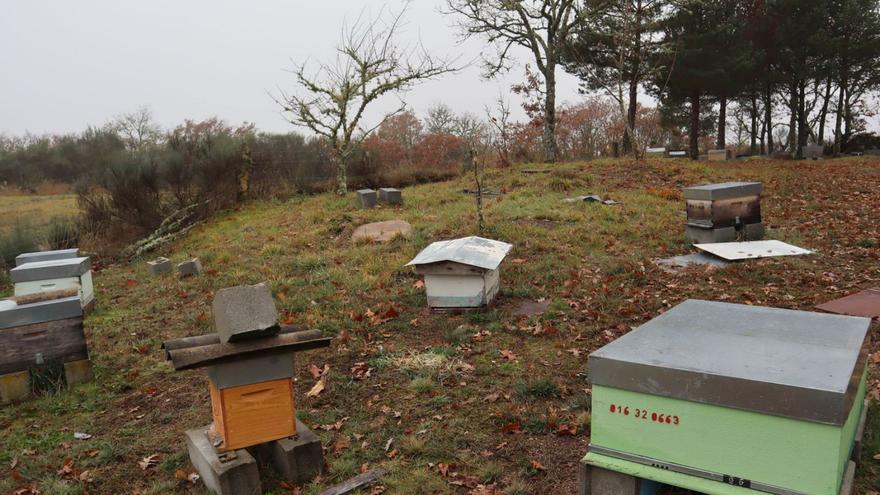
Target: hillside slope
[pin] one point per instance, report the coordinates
(496, 397)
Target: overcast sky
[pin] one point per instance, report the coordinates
(69, 64)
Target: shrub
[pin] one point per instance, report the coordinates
(21, 238)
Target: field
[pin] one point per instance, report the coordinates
(483, 403)
(35, 210)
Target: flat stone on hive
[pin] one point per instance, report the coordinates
(723, 190)
(390, 196)
(382, 231)
(236, 476)
(245, 312)
(299, 459)
(189, 267)
(159, 266)
(366, 198)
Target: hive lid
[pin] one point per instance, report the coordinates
(473, 251)
(51, 269)
(18, 315)
(782, 362)
(723, 190)
(58, 254)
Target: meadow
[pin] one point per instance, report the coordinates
(483, 403)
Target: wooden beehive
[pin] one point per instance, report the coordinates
(252, 414)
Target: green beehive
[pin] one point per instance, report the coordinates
(731, 399)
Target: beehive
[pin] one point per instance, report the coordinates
(252, 414)
(718, 212)
(461, 273)
(710, 395)
(54, 275)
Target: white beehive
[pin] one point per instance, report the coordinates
(461, 273)
(55, 275)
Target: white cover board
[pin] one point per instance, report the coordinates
(733, 251)
(473, 251)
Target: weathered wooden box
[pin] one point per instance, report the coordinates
(462, 273)
(718, 212)
(711, 396)
(54, 275)
(58, 254)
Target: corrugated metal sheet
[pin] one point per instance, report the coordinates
(473, 251)
(865, 303)
(733, 251)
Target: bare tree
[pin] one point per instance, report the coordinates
(540, 26)
(136, 129)
(333, 97)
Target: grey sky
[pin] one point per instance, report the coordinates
(69, 64)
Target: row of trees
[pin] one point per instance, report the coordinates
(807, 60)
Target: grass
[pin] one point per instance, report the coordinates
(37, 210)
(437, 387)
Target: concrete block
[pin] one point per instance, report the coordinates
(718, 155)
(753, 231)
(255, 370)
(708, 236)
(813, 151)
(39, 312)
(594, 480)
(245, 312)
(159, 266)
(51, 269)
(299, 459)
(390, 196)
(76, 372)
(59, 254)
(366, 198)
(235, 474)
(189, 267)
(14, 387)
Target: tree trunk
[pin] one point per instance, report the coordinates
(341, 174)
(768, 117)
(721, 140)
(753, 144)
(823, 114)
(838, 120)
(694, 131)
(802, 119)
(628, 138)
(549, 138)
(792, 120)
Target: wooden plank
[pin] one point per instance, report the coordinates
(358, 481)
(59, 340)
(206, 355)
(45, 296)
(212, 338)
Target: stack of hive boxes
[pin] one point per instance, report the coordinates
(728, 399)
(250, 369)
(41, 326)
(721, 212)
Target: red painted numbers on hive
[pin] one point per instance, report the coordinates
(645, 414)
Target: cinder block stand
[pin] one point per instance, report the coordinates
(76, 372)
(367, 198)
(14, 387)
(190, 268)
(235, 474)
(390, 196)
(160, 266)
(594, 480)
(299, 459)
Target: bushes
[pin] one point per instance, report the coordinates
(21, 238)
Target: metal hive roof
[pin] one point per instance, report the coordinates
(474, 251)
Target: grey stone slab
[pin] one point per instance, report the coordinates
(299, 459)
(39, 312)
(599, 481)
(724, 190)
(159, 266)
(794, 364)
(700, 235)
(58, 254)
(813, 151)
(390, 195)
(189, 267)
(367, 198)
(255, 370)
(236, 476)
(245, 312)
(51, 269)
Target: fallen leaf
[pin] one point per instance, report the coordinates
(566, 430)
(508, 354)
(511, 428)
(131, 282)
(315, 371)
(318, 387)
(537, 465)
(419, 284)
(518, 260)
(148, 461)
(341, 444)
